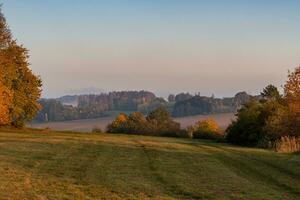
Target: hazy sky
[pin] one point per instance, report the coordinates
(165, 46)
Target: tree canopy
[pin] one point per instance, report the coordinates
(19, 87)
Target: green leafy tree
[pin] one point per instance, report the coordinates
(261, 122)
(161, 123)
(247, 129)
(270, 92)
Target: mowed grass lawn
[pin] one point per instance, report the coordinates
(51, 165)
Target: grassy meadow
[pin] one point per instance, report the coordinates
(40, 164)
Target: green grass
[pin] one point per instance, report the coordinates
(60, 165)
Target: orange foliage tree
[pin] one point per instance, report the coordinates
(207, 129)
(5, 101)
(5, 96)
(118, 125)
(19, 87)
(292, 97)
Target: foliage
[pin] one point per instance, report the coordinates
(287, 144)
(158, 122)
(205, 129)
(5, 101)
(270, 92)
(53, 110)
(286, 120)
(118, 125)
(154, 104)
(292, 97)
(183, 97)
(247, 129)
(292, 86)
(136, 123)
(20, 88)
(269, 119)
(197, 105)
(94, 106)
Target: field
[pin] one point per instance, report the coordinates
(40, 164)
(88, 124)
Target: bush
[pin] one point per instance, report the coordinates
(205, 129)
(158, 122)
(136, 124)
(118, 125)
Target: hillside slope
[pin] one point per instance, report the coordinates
(49, 165)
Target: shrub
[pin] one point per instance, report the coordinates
(136, 124)
(158, 122)
(205, 129)
(118, 125)
(287, 144)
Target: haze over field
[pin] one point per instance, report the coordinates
(219, 47)
(85, 125)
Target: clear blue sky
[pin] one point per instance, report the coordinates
(166, 46)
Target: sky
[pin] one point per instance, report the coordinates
(164, 46)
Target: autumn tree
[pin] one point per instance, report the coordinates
(205, 129)
(20, 88)
(118, 125)
(136, 123)
(292, 97)
(5, 101)
(292, 88)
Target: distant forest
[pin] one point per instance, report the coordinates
(109, 104)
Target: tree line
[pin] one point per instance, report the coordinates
(160, 123)
(93, 106)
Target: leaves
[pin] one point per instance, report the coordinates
(20, 88)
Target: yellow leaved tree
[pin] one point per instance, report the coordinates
(19, 87)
